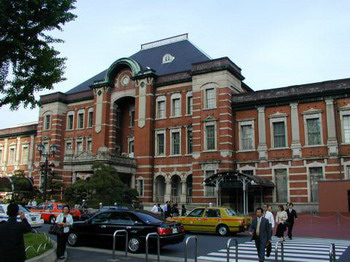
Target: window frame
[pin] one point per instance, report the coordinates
(79, 140)
(160, 99)
(90, 119)
(206, 101)
(246, 123)
(172, 131)
(189, 129)
(140, 179)
(206, 191)
(309, 181)
(25, 146)
(189, 97)
(206, 125)
(285, 168)
(306, 132)
(49, 123)
(70, 113)
(88, 141)
(273, 121)
(132, 116)
(160, 132)
(81, 112)
(176, 96)
(343, 114)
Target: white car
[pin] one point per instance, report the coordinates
(34, 219)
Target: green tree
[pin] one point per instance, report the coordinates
(104, 186)
(28, 61)
(54, 184)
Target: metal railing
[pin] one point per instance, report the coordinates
(158, 245)
(332, 254)
(175, 199)
(276, 250)
(228, 249)
(114, 243)
(195, 249)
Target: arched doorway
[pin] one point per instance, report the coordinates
(175, 189)
(159, 189)
(124, 112)
(189, 189)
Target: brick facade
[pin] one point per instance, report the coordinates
(191, 124)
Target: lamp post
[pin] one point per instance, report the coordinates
(46, 167)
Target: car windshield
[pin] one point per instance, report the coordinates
(22, 209)
(230, 212)
(149, 218)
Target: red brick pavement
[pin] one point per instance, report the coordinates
(323, 225)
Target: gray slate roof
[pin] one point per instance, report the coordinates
(184, 51)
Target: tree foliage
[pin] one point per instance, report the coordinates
(28, 62)
(104, 186)
(54, 184)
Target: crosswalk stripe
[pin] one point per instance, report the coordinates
(293, 251)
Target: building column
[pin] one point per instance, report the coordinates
(332, 137)
(133, 181)
(183, 190)
(155, 190)
(5, 152)
(18, 150)
(296, 145)
(262, 147)
(167, 189)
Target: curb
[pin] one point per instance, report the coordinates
(121, 255)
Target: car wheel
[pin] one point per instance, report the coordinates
(52, 219)
(72, 239)
(223, 230)
(134, 244)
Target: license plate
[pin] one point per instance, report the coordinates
(33, 218)
(175, 231)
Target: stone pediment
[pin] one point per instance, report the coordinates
(84, 156)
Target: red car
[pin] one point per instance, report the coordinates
(50, 210)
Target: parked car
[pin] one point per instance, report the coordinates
(50, 210)
(34, 219)
(88, 215)
(101, 227)
(221, 220)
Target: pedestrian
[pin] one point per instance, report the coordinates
(66, 221)
(269, 216)
(160, 210)
(281, 219)
(183, 210)
(261, 233)
(175, 211)
(154, 209)
(141, 207)
(292, 216)
(11, 236)
(165, 209)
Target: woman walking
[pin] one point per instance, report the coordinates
(183, 210)
(281, 219)
(65, 220)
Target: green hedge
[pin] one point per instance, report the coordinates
(35, 240)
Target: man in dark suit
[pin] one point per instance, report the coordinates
(260, 230)
(292, 216)
(11, 236)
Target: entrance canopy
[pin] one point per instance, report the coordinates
(233, 179)
(16, 184)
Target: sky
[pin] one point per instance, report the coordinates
(277, 43)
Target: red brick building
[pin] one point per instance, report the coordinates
(169, 116)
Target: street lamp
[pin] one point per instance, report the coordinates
(46, 167)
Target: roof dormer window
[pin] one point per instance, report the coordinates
(167, 58)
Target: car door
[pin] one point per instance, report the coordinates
(211, 219)
(193, 221)
(95, 230)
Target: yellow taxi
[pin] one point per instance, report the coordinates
(222, 220)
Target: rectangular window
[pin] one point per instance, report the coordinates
(176, 107)
(131, 146)
(249, 172)
(189, 141)
(139, 186)
(175, 142)
(247, 137)
(161, 109)
(210, 137)
(210, 98)
(281, 185)
(12, 156)
(279, 134)
(118, 116)
(69, 146)
(25, 155)
(70, 122)
(79, 146)
(160, 145)
(315, 176)
(81, 120)
(189, 105)
(47, 122)
(90, 118)
(313, 131)
(348, 173)
(89, 146)
(209, 191)
(346, 123)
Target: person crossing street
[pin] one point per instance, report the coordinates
(292, 216)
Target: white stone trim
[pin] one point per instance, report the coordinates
(175, 130)
(307, 115)
(246, 123)
(206, 124)
(70, 113)
(160, 131)
(188, 96)
(273, 120)
(344, 113)
(161, 98)
(175, 96)
(80, 112)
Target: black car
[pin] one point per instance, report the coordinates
(86, 216)
(101, 227)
